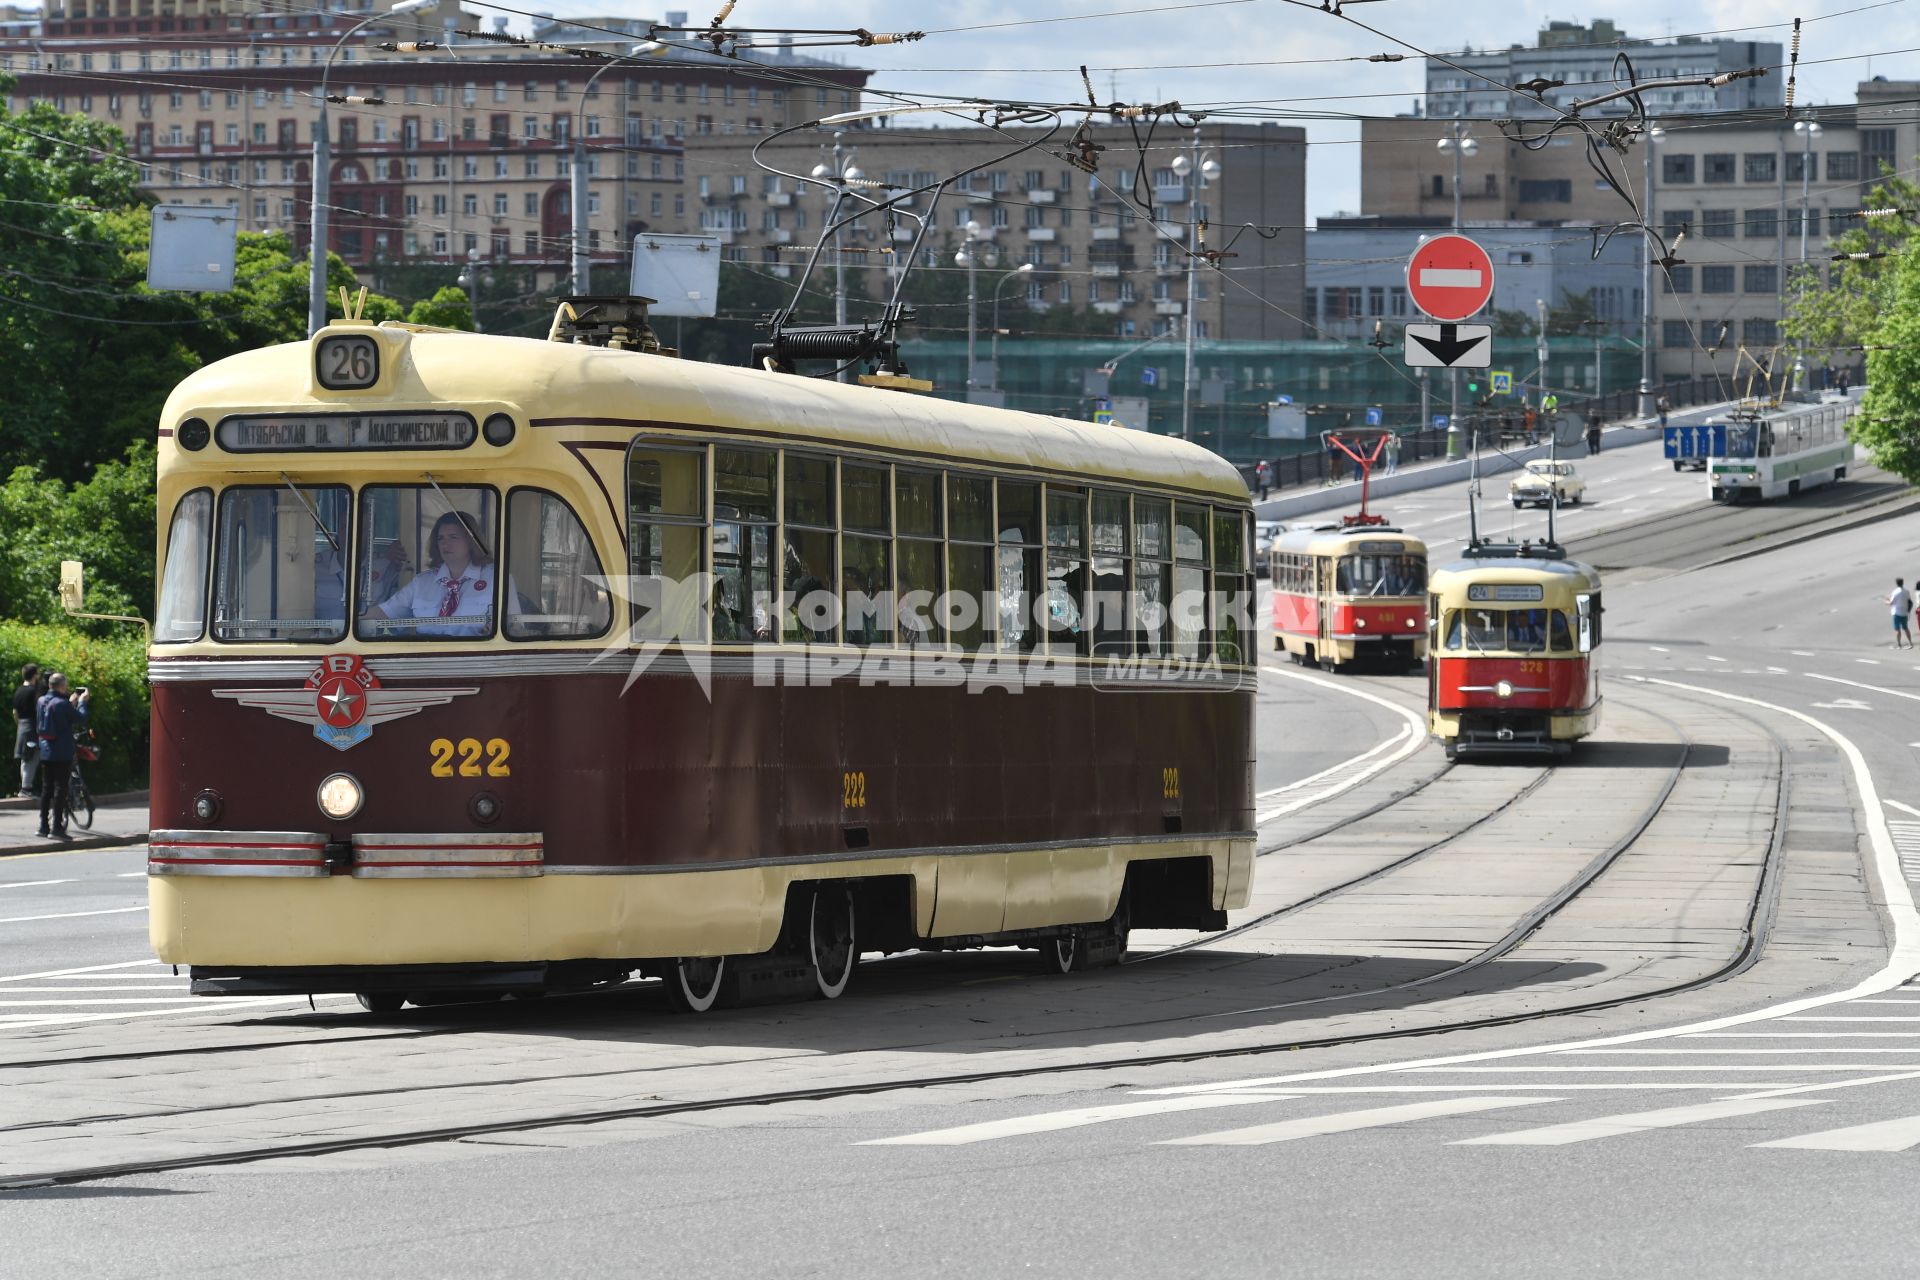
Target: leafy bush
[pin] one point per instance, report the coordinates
(106, 522)
(115, 669)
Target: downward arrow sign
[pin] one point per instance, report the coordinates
(1450, 346)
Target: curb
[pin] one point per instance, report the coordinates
(118, 797)
(1859, 517)
(69, 846)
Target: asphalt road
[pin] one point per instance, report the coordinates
(1713, 1142)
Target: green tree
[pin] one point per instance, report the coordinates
(105, 521)
(1839, 304)
(1891, 408)
(449, 307)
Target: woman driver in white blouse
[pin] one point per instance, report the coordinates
(457, 584)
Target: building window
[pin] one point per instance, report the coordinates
(1679, 280)
(1675, 333)
(1801, 163)
(1546, 191)
(1716, 279)
(1760, 279)
(1762, 224)
(1676, 170)
(1718, 167)
(1760, 166)
(1843, 166)
(1760, 333)
(1716, 224)
(499, 204)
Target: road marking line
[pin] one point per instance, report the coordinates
(1803, 653)
(69, 1004)
(1827, 1066)
(92, 968)
(1876, 1018)
(1870, 688)
(1882, 1135)
(1829, 1086)
(1712, 658)
(1403, 731)
(1904, 808)
(1557, 1135)
(1871, 662)
(72, 915)
(34, 884)
(78, 995)
(1893, 892)
(1777, 671)
(17, 1021)
(1348, 1121)
(1053, 1121)
(1659, 648)
(1415, 739)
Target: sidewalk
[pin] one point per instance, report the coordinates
(117, 819)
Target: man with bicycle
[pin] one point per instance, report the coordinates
(57, 716)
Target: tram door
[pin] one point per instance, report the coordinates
(1323, 607)
(1433, 652)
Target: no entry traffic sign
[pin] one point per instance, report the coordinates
(1449, 277)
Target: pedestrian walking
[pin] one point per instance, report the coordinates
(1593, 434)
(1528, 423)
(1393, 453)
(57, 717)
(26, 740)
(1263, 478)
(1845, 379)
(1663, 407)
(1901, 604)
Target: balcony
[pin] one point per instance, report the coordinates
(1040, 233)
(780, 199)
(1169, 268)
(1109, 269)
(1040, 195)
(779, 235)
(1169, 308)
(903, 235)
(1106, 233)
(1173, 193)
(1107, 308)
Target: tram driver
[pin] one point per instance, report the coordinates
(458, 584)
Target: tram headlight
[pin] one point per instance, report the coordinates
(340, 796)
(193, 434)
(498, 429)
(1359, 622)
(207, 806)
(1504, 688)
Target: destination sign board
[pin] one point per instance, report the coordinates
(1503, 591)
(344, 432)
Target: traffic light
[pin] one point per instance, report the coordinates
(1473, 388)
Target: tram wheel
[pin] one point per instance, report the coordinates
(696, 984)
(1453, 750)
(832, 947)
(381, 1001)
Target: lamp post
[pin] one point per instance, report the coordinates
(842, 173)
(993, 344)
(1203, 169)
(968, 256)
(1460, 143)
(1654, 135)
(577, 176)
(320, 193)
(470, 279)
(1808, 129)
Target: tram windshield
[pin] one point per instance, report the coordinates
(1509, 631)
(1381, 575)
(282, 563)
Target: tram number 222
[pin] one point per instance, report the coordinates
(470, 751)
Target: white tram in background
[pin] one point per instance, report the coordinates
(1778, 454)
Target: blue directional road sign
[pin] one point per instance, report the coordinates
(1440, 421)
(1709, 440)
(1374, 416)
(1149, 377)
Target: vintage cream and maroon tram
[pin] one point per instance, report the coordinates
(1514, 661)
(1350, 593)
(485, 664)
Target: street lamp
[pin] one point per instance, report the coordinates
(838, 176)
(1205, 170)
(317, 224)
(1653, 136)
(1808, 129)
(471, 277)
(1459, 143)
(577, 178)
(993, 344)
(968, 256)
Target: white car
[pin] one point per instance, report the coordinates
(1543, 481)
(1264, 532)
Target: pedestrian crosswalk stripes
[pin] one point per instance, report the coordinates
(1906, 843)
(1556, 1135)
(1053, 1121)
(1882, 1135)
(1348, 1121)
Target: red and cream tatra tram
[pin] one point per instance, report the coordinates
(1350, 593)
(1515, 656)
(486, 664)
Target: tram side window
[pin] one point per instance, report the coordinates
(282, 564)
(970, 560)
(1066, 570)
(810, 605)
(1019, 577)
(429, 564)
(744, 525)
(666, 533)
(1152, 576)
(917, 524)
(1107, 603)
(866, 515)
(182, 614)
(550, 556)
(1560, 635)
(1231, 601)
(1189, 581)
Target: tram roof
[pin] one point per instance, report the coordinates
(564, 384)
(1329, 538)
(1516, 569)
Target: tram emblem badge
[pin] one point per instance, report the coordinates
(342, 701)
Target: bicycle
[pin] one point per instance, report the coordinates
(79, 798)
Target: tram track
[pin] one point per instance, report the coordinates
(1752, 940)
